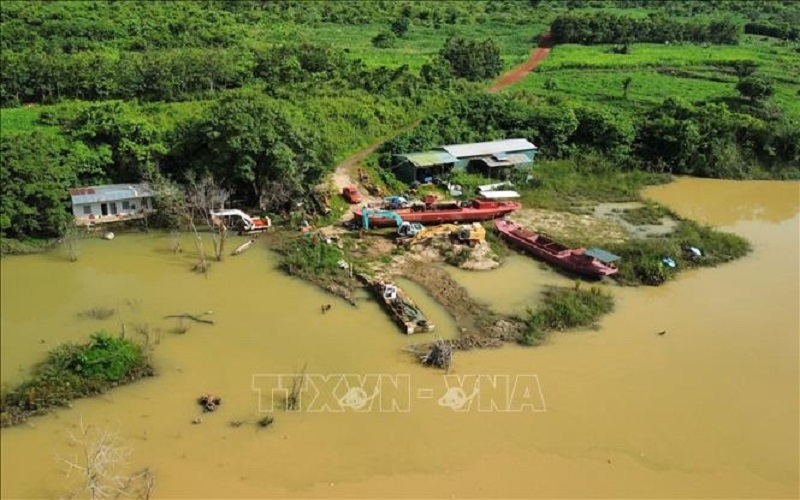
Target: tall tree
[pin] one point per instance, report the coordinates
(250, 139)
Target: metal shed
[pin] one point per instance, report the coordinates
(414, 166)
(463, 151)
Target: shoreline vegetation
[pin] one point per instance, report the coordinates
(74, 371)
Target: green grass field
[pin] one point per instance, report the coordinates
(420, 43)
(695, 73)
(23, 120)
(163, 115)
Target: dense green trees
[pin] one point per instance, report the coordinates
(604, 27)
(35, 175)
(707, 140)
(250, 140)
(783, 31)
(472, 60)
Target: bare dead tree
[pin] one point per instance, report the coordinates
(98, 463)
(278, 196)
(174, 211)
(202, 197)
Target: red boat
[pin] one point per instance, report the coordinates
(593, 262)
(446, 212)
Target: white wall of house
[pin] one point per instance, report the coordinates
(119, 207)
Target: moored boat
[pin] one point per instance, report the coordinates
(401, 308)
(593, 262)
(446, 212)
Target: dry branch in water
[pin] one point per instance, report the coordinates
(193, 317)
(298, 384)
(98, 462)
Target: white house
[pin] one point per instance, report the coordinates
(110, 203)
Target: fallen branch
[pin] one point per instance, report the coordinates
(193, 317)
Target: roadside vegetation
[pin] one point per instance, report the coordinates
(73, 371)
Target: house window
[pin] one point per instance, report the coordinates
(126, 205)
(87, 210)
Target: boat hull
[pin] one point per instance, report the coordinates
(483, 212)
(569, 259)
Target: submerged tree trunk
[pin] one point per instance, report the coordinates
(71, 240)
(202, 264)
(219, 241)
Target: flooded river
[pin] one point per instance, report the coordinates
(709, 409)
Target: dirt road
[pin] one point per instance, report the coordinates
(518, 73)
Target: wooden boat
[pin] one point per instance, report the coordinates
(593, 263)
(402, 309)
(446, 212)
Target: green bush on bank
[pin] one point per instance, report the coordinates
(73, 371)
(309, 257)
(641, 262)
(565, 308)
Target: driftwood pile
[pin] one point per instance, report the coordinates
(439, 355)
(468, 342)
(209, 402)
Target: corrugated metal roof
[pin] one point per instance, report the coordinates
(507, 161)
(429, 158)
(109, 192)
(498, 195)
(488, 148)
(602, 255)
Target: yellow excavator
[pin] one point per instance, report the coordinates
(471, 234)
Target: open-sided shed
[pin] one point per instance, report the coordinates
(418, 166)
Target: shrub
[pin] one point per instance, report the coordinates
(311, 256)
(384, 40)
(563, 309)
(107, 358)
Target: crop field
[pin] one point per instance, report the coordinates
(696, 73)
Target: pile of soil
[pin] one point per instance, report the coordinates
(481, 258)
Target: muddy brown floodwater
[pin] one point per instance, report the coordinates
(709, 409)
